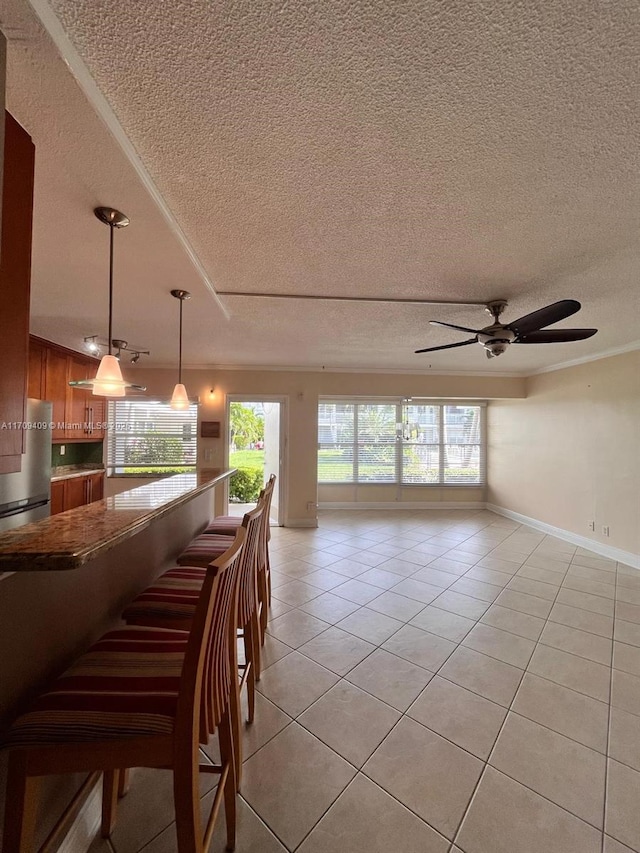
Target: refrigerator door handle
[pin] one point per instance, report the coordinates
(24, 508)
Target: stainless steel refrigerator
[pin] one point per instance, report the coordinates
(25, 495)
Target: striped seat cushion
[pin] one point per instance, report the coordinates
(173, 595)
(203, 549)
(224, 524)
(126, 685)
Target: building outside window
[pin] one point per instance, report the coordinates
(409, 442)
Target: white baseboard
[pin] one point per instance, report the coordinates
(301, 522)
(609, 551)
(86, 825)
(402, 505)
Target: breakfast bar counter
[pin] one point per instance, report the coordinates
(71, 539)
(66, 579)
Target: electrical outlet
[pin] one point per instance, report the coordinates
(592, 526)
(208, 454)
(311, 505)
(605, 530)
(63, 450)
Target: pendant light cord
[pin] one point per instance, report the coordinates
(180, 347)
(111, 229)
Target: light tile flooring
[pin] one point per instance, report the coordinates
(434, 681)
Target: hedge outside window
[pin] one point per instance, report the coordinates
(148, 437)
(409, 443)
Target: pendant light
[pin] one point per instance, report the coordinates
(179, 399)
(108, 381)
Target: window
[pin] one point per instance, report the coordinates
(410, 443)
(148, 437)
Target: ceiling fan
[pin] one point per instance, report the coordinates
(529, 329)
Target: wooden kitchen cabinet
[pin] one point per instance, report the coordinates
(83, 408)
(97, 415)
(51, 368)
(15, 285)
(57, 497)
(96, 487)
(37, 355)
(55, 390)
(78, 402)
(76, 491)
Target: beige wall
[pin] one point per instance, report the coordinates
(302, 390)
(570, 452)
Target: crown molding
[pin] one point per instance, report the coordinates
(635, 345)
(287, 368)
(83, 77)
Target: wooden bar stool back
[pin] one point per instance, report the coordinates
(248, 613)
(226, 525)
(137, 699)
(171, 601)
(264, 566)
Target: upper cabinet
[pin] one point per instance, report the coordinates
(77, 415)
(15, 283)
(55, 390)
(35, 378)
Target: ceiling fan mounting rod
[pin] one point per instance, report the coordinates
(398, 301)
(495, 308)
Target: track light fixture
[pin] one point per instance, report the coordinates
(95, 344)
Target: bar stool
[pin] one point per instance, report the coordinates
(226, 525)
(171, 602)
(205, 546)
(140, 697)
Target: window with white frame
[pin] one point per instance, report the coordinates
(405, 442)
(148, 437)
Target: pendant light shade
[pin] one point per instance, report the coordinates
(108, 381)
(179, 399)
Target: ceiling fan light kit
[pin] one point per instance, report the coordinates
(108, 381)
(529, 329)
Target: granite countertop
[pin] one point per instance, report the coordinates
(70, 539)
(65, 472)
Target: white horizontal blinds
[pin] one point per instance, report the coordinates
(421, 443)
(416, 443)
(149, 435)
(376, 444)
(336, 442)
(462, 444)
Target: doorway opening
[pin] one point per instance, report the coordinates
(256, 442)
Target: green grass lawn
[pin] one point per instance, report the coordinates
(247, 459)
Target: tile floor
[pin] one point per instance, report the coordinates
(434, 682)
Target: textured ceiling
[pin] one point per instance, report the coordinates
(447, 150)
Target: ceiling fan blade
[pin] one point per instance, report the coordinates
(448, 346)
(543, 317)
(549, 336)
(451, 326)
